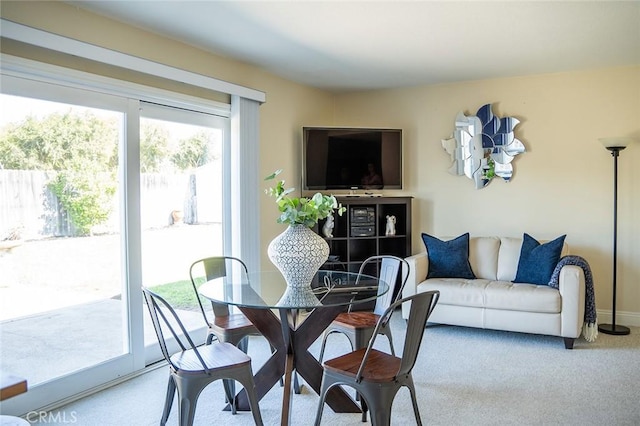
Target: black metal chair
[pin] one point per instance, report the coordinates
(358, 326)
(192, 368)
(223, 325)
(377, 376)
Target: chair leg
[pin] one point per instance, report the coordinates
(379, 400)
(168, 402)
(230, 385)
(324, 388)
(246, 380)
(414, 401)
(188, 393)
(296, 383)
(243, 344)
(229, 392)
(210, 337)
(364, 408)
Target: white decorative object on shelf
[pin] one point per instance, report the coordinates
(391, 225)
(298, 253)
(327, 229)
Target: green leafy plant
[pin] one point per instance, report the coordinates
(490, 172)
(301, 210)
(84, 198)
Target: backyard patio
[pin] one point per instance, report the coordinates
(59, 316)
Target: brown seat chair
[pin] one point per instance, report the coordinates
(359, 326)
(192, 369)
(377, 376)
(223, 325)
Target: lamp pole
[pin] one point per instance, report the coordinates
(612, 328)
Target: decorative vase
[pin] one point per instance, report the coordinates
(298, 253)
(299, 296)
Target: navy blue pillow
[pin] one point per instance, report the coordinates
(537, 261)
(448, 259)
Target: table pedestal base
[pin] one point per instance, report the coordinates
(291, 353)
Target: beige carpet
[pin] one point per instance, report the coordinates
(464, 376)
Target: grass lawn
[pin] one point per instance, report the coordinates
(179, 294)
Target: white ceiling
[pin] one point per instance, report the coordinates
(360, 45)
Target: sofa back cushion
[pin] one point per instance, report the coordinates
(483, 257)
(509, 256)
(496, 258)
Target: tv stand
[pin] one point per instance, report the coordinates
(361, 230)
(354, 194)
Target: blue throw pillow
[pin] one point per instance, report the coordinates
(448, 259)
(537, 261)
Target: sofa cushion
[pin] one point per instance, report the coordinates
(491, 294)
(448, 259)
(483, 256)
(509, 255)
(522, 297)
(537, 261)
(508, 258)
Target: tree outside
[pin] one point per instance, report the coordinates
(82, 151)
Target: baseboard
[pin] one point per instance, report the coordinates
(622, 318)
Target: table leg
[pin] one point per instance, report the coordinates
(291, 345)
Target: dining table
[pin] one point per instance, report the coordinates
(291, 319)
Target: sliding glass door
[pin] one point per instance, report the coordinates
(64, 294)
(181, 201)
(99, 194)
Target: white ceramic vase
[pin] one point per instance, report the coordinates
(298, 253)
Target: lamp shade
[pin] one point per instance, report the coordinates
(619, 142)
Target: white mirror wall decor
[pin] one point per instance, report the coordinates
(483, 146)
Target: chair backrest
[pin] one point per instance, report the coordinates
(390, 266)
(165, 319)
(210, 268)
(422, 305)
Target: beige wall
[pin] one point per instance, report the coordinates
(563, 184)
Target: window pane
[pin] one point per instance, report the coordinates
(60, 249)
(181, 206)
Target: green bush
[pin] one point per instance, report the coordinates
(85, 199)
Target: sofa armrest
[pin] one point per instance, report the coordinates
(418, 268)
(572, 293)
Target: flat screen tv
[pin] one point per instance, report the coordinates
(351, 158)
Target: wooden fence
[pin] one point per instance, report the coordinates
(28, 205)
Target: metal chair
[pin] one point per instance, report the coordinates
(192, 369)
(225, 326)
(222, 324)
(359, 326)
(377, 376)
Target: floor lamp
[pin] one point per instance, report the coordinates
(615, 145)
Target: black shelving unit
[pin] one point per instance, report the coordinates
(360, 232)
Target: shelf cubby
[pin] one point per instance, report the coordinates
(352, 247)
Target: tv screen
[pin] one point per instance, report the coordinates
(351, 158)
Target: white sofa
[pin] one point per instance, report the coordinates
(492, 301)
